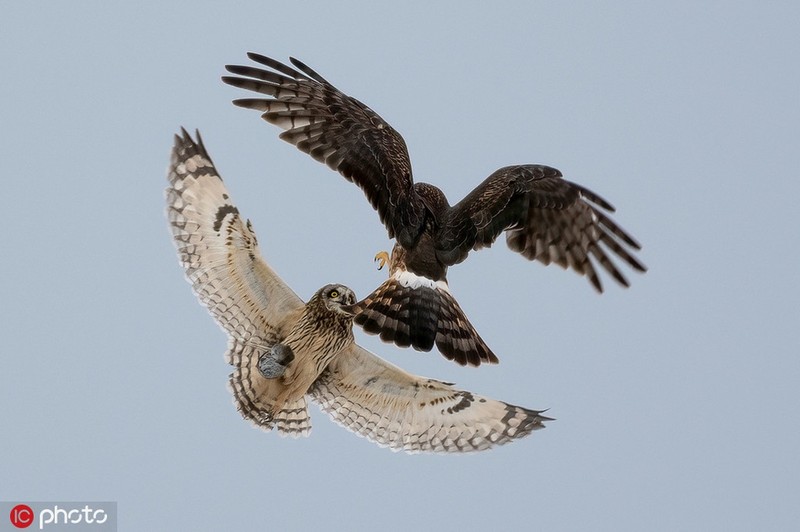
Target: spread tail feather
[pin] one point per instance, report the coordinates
(420, 316)
(255, 396)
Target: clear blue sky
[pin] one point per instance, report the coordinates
(676, 399)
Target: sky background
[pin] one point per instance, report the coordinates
(677, 400)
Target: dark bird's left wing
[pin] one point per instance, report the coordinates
(339, 131)
(546, 218)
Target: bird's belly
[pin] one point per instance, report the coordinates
(312, 356)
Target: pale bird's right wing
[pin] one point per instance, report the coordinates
(219, 252)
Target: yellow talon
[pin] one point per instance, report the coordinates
(382, 257)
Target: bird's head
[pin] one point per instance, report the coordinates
(336, 296)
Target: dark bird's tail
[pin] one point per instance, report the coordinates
(409, 314)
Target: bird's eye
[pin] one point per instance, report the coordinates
(333, 294)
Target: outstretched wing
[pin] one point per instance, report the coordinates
(547, 218)
(219, 251)
(339, 131)
(392, 408)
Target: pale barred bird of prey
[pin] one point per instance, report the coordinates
(285, 351)
(545, 217)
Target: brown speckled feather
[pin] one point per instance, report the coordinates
(548, 218)
(219, 252)
(339, 131)
(545, 217)
(394, 409)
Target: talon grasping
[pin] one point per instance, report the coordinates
(273, 363)
(382, 257)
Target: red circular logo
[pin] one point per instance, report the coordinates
(21, 516)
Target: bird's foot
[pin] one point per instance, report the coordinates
(273, 363)
(382, 257)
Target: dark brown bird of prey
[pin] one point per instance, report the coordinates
(545, 217)
(284, 351)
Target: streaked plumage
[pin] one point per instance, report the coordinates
(310, 346)
(545, 217)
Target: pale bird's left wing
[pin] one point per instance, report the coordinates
(395, 409)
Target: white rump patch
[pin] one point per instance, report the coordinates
(414, 281)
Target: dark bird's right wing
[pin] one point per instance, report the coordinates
(546, 218)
